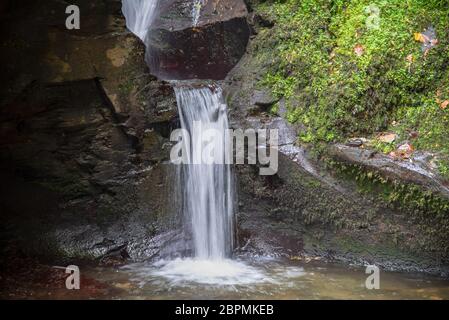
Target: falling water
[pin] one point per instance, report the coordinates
(207, 188)
(196, 11)
(139, 15)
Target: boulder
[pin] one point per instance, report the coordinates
(180, 47)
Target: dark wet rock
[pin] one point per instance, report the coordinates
(258, 21)
(302, 213)
(99, 184)
(83, 125)
(412, 171)
(115, 256)
(263, 98)
(179, 49)
(102, 49)
(356, 143)
(177, 14)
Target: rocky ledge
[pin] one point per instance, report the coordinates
(415, 170)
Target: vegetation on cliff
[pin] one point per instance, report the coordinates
(352, 68)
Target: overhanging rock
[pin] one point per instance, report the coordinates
(180, 47)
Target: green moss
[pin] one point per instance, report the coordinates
(126, 87)
(383, 147)
(335, 92)
(408, 197)
(443, 166)
(275, 109)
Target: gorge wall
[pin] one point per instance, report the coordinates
(85, 143)
(83, 127)
(85, 124)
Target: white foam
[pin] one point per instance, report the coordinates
(222, 272)
(217, 272)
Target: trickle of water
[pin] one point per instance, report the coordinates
(196, 11)
(139, 15)
(207, 189)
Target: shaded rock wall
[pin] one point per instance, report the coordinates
(84, 131)
(85, 127)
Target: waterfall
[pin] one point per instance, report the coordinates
(207, 189)
(139, 15)
(196, 11)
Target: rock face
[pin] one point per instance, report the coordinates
(84, 133)
(85, 126)
(414, 172)
(181, 47)
(84, 130)
(308, 208)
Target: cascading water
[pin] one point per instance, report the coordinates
(207, 188)
(207, 193)
(196, 11)
(139, 15)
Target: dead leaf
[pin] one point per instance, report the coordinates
(428, 38)
(403, 152)
(420, 37)
(359, 50)
(393, 154)
(388, 137)
(410, 59)
(444, 104)
(413, 135)
(124, 286)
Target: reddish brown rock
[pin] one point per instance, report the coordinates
(179, 48)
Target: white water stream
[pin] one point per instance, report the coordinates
(139, 15)
(207, 189)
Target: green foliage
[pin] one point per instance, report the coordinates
(443, 166)
(342, 78)
(409, 197)
(383, 147)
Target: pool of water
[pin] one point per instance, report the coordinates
(261, 278)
